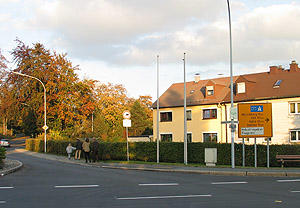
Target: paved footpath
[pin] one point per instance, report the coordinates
(290, 172)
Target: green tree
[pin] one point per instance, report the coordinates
(139, 119)
(29, 123)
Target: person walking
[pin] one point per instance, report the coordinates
(95, 150)
(69, 150)
(86, 150)
(78, 149)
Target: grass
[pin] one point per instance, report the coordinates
(183, 165)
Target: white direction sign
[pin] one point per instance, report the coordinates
(252, 131)
(126, 123)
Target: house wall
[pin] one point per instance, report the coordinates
(197, 126)
(283, 122)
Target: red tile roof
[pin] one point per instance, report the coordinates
(259, 86)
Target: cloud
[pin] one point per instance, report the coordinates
(133, 32)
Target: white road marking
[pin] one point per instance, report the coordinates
(6, 187)
(158, 184)
(293, 180)
(2, 202)
(232, 182)
(77, 186)
(295, 191)
(163, 197)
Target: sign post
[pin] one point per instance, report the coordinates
(255, 153)
(255, 120)
(243, 152)
(268, 153)
(126, 124)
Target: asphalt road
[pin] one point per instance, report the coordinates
(45, 183)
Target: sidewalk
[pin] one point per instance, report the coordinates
(278, 172)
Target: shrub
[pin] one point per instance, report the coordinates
(173, 151)
(2, 156)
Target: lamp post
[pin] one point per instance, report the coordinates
(45, 127)
(232, 125)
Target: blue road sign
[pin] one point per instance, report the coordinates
(256, 108)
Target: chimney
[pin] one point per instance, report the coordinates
(294, 67)
(275, 69)
(197, 77)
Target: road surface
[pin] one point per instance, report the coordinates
(45, 183)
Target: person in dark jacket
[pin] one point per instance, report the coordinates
(95, 150)
(86, 150)
(78, 149)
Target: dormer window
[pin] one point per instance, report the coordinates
(210, 90)
(277, 83)
(241, 87)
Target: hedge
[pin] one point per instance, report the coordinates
(2, 156)
(173, 152)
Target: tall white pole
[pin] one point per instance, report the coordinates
(157, 111)
(184, 117)
(45, 120)
(127, 143)
(232, 125)
(45, 108)
(93, 122)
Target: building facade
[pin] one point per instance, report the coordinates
(208, 106)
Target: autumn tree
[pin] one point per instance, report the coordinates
(69, 100)
(111, 101)
(5, 94)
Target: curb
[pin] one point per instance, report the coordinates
(13, 169)
(203, 172)
(212, 172)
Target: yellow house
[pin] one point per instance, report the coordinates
(208, 105)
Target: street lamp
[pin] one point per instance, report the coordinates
(45, 127)
(232, 125)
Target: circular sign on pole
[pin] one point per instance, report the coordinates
(126, 114)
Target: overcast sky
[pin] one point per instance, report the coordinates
(117, 41)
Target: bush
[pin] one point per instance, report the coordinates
(173, 151)
(2, 156)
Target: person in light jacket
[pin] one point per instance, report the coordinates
(69, 150)
(86, 150)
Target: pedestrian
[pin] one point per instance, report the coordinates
(95, 150)
(86, 150)
(78, 149)
(69, 150)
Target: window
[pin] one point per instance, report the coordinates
(210, 90)
(165, 116)
(277, 83)
(241, 87)
(189, 137)
(295, 135)
(210, 137)
(188, 115)
(294, 108)
(166, 137)
(209, 113)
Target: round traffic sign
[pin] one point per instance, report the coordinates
(126, 114)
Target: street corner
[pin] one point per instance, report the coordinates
(10, 166)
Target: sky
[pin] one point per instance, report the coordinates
(117, 41)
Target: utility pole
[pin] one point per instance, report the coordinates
(157, 111)
(184, 117)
